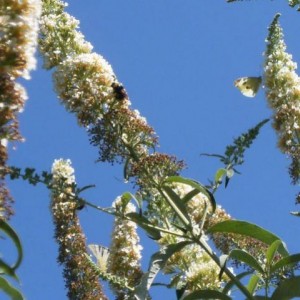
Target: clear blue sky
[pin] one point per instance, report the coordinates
(177, 60)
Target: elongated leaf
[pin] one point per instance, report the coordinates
(157, 262)
(125, 170)
(295, 213)
(13, 235)
(207, 294)
(223, 260)
(177, 205)
(273, 248)
(219, 175)
(85, 188)
(252, 284)
(138, 199)
(6, 269)
(230, 284)
(195, 185)
(179, 293)
(227, 181)
(190, 195)
(245, 257)
(248, 229)
(126, 197)
(10, 290)
(287, 261)
(145, 224)
(229, 174)
(287, 289)
(213, 155)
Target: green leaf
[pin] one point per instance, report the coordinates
(138, 199)
(287, 261)
(293, 3)
(10, 290)
(145, 224)
(223, 260)
(85, 188)
(157, 262)
(126, 197)
(179, 293)
(245, 257)
(190, 195)
(250, 230)
(213, 155)
(287, 289)
(195, 185)
(14, 173)
(229, 174)
(252, 284)
(125, 170)
(177, 204)
(207, 294)
(272, 250)
(219, 175)
(6, 269)
(230, 284)
(226, 181)
(29, 172)
(13, 235)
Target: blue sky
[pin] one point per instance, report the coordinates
(177, 60)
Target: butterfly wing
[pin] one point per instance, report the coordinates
(248, 86)
(101, 254)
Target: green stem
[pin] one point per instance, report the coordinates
(111, 212)
(215, 258)
(184, 220)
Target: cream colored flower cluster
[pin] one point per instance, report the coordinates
(197, 269)
(63, 204)
(62, 169)
(84, 81)
(18, 36)
(63, 178)
(60, 37)
(84, 84)
(125, 250)
(283, 92)
(196, 205)
(202, 271)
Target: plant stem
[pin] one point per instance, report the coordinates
(215, 258)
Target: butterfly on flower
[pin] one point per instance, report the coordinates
(248, 86)
(101, 254)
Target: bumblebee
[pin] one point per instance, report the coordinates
(119, 91)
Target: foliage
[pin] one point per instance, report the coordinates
(8, 269)
(294, 3)
(234, 155)
(197, 239)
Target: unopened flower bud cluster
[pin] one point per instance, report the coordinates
(18, 41)
(18, 38)
(70, 237)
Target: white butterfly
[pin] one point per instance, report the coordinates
(248, 85)
(101, 254)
